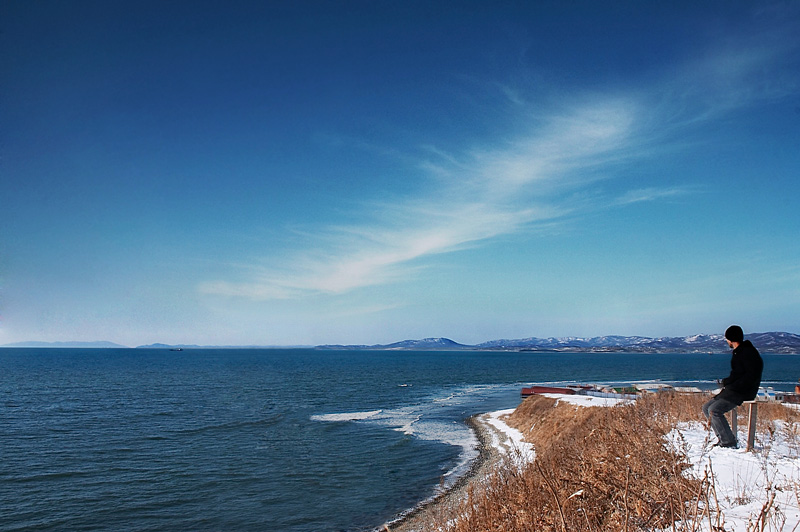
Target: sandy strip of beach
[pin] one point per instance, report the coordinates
(496, 439)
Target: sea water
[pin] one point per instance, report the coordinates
(296, 440)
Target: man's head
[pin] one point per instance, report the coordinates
(734, 335)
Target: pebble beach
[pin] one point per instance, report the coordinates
(496, 440)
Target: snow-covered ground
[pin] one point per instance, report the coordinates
(508, 440)
(745, 483)
(585, 400)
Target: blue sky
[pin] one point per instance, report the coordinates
(287, 173)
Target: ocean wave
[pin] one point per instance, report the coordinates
(412, 421)
(347, 416)
(464, 394)
(416, 421)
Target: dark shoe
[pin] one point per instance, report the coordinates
(732, 445)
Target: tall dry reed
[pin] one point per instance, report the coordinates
(596, 469)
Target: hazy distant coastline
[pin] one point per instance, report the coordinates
(82, 345)
(769, 342)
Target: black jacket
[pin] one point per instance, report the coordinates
(745, 378)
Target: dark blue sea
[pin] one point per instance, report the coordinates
(268, 440)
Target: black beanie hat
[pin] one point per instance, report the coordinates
(734, 334)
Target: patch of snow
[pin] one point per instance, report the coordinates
(585, 400)
(745, 480)
(508, 440)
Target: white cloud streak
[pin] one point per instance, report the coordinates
(503, 190)
(481, 196)
(651, 194)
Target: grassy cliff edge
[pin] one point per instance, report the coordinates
(602, 468)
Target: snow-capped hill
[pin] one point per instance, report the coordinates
(425, 343)
(611, 341)
(506, 343)
(703, 338)
(776, 342)
(411, 345)
(772, 342)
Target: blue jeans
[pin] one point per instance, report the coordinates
(715, 410)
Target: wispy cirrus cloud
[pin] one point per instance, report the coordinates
(487, 192)
(653, 194)
(355, 257)
(480, 195)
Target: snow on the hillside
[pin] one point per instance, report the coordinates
(585, 400)
(745, 481)
(508, 440)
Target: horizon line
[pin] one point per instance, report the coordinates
(105, 344)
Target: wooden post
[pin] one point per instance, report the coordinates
(751, 424)
(735, 423)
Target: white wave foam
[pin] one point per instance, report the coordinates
(420, 421)
(403, 422)
(432, 420)
(412, 421)
(347, 416)
(464, 394)
(451, 433)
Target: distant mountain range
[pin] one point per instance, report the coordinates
(769, 342)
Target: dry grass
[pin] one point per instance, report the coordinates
(596, 469)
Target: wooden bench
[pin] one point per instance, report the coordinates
(752, 414)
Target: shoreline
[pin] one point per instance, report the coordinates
(488, 456)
